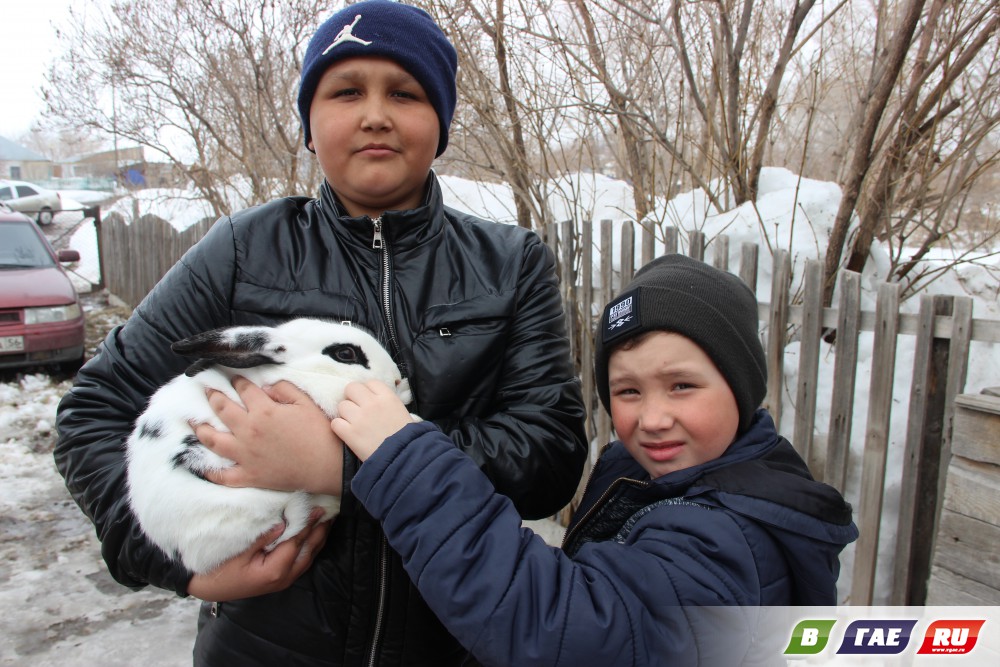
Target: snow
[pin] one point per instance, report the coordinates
(61, 606)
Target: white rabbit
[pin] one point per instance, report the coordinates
(204, 524)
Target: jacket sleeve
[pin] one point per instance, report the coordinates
(511, 599)
(95, 418)
(533, 446)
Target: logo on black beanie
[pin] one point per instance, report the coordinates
(622, 316)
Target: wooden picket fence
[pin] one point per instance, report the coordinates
(134, 257)
(944, 328)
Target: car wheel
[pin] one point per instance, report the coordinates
(45, 217)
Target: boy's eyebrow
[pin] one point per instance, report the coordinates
(356, 73)
(672, 371)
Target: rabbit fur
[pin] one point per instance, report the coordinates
(204, 524)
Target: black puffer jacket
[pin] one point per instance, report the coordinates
(475, 321)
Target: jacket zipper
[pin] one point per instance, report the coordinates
(586, 487)
(380, 244)
(383, 584)
(600, 501)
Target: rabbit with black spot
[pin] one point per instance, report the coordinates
(204, 524)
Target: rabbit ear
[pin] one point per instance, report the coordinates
(242, 347)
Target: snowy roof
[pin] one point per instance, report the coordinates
(12, 152)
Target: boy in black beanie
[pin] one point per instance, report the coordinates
(699, 505)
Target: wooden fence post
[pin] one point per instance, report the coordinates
(648, 244)
(876, 443)
(809, 340)
(670, 241)
(845, 372)
(925, 462)
(720, 252)
(628, 254)
(776, 324)
(749, 253)
(607, 291)
(696, 245)
(568, 278)
(958, 366)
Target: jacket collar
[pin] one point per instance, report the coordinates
(400, 229)
(758, 440)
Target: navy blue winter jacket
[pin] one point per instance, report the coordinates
(648, 570)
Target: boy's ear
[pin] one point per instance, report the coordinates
(310, 146)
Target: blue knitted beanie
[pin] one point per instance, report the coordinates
(383, 28)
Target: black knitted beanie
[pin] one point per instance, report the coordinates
(712, 307)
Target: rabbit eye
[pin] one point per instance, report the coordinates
(347, 354)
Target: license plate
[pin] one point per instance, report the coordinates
(11, 343)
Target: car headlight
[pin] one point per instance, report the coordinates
(51, 314)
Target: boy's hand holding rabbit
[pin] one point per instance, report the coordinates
(281, 440)
(258, 571)
(369, 413)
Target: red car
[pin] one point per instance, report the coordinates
(41, 321)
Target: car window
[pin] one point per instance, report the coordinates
(26, 191)
(21, 248)
(5, 193)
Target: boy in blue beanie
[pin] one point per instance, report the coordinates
(378, 248)
(699, 512)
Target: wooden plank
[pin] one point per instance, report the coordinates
(628, 253)
(648, 243)
(969, 547)
(608, 288)
(876, 443)
(607, 292)
(922, 458)
(973, 489)
(567, 279)
(845, 371)
(979, 402)
(776, 325)
(987, 331)
(551, 237)
(976, 432)
(748, 265)
(720, 252)
(958, 365)
(587, 332)
(696, 245)
(670, 240)
(809, 342)
(947, 588)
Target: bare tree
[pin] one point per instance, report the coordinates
(514, 152)
(209, 84)
(903, 149)
(894, 100)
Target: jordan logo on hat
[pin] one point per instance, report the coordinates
(346, 35)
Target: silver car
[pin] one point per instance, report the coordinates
(28, 198)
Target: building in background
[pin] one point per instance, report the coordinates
(18, 163)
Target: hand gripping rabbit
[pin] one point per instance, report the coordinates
(204, 524)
